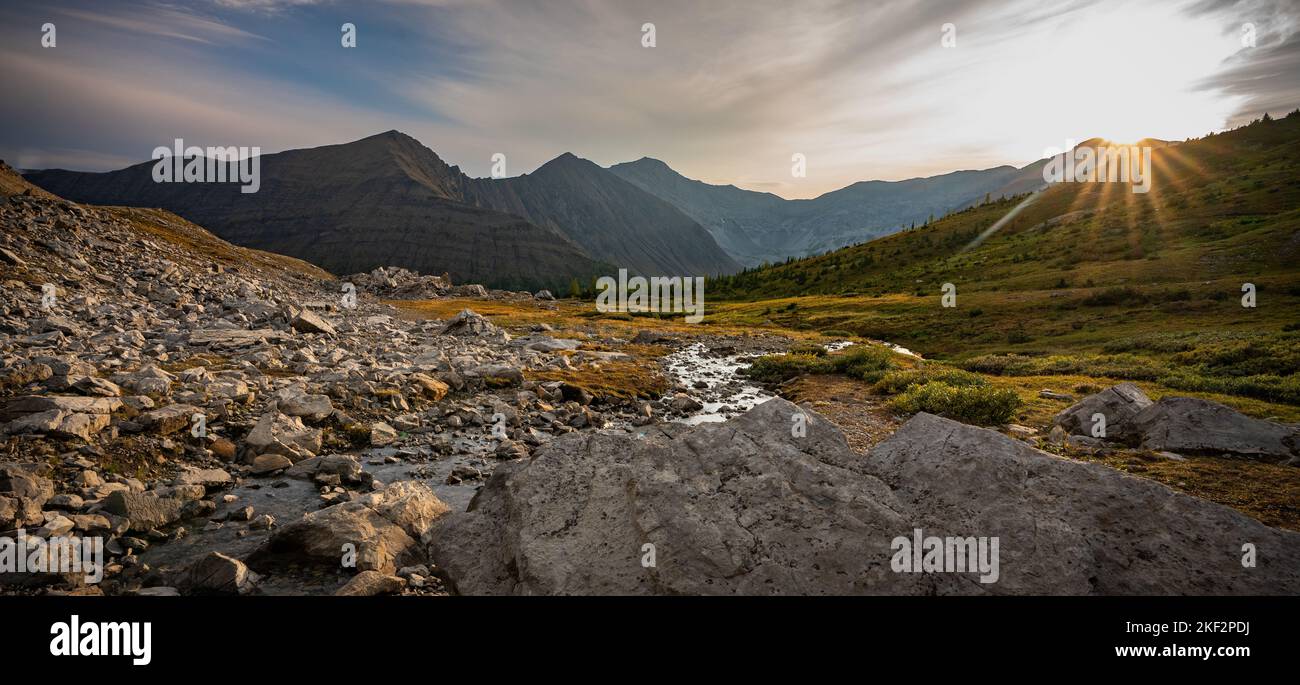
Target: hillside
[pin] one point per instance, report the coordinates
(1086, 276)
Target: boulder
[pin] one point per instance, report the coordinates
(431, 388)
(1069, 527)
(345, 466)
(383, 530)
(1119, 404)
(269, 463)
(82, 426)
(168, 419)
(469, 323)
(382, 434)
(217, 573)
(309, 322)
(370, 584)
(276, 433)
(742, 507)
(37, 422)
(145, 511)
(1188, 425)
(18, 407)
(314, 407)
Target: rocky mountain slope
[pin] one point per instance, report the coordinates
(184, 398)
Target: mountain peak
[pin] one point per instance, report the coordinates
(569, 161)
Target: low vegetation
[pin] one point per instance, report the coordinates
(981, 404)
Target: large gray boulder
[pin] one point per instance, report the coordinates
(1119, 404)
(736, 508)
(746, 507)
(1069, 527)
(1194, 426)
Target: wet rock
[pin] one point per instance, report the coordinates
(370, 584)
(685, 403)
(382, 434)
(345, 466)
(269, 463)
(217, 573)
(381, 530)
(208, 478)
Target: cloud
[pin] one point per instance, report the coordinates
(168, 22)
(732, 89)
(1264, 77)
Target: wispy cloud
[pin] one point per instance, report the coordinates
(732, 89)
(165, 21)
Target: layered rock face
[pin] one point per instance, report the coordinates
(750, 507)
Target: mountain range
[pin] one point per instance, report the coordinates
(387, 200)
(756, 227)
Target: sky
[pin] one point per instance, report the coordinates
(730, 91)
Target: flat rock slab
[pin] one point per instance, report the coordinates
(235, 338)
(744, 507)
(33, 404)
(1194, 426)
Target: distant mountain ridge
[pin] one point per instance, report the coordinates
(759, 227)
(388, 200)
(608, 216)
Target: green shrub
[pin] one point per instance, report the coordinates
(895, 382)
(981, 405)
(775, 368)
(868, 362)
